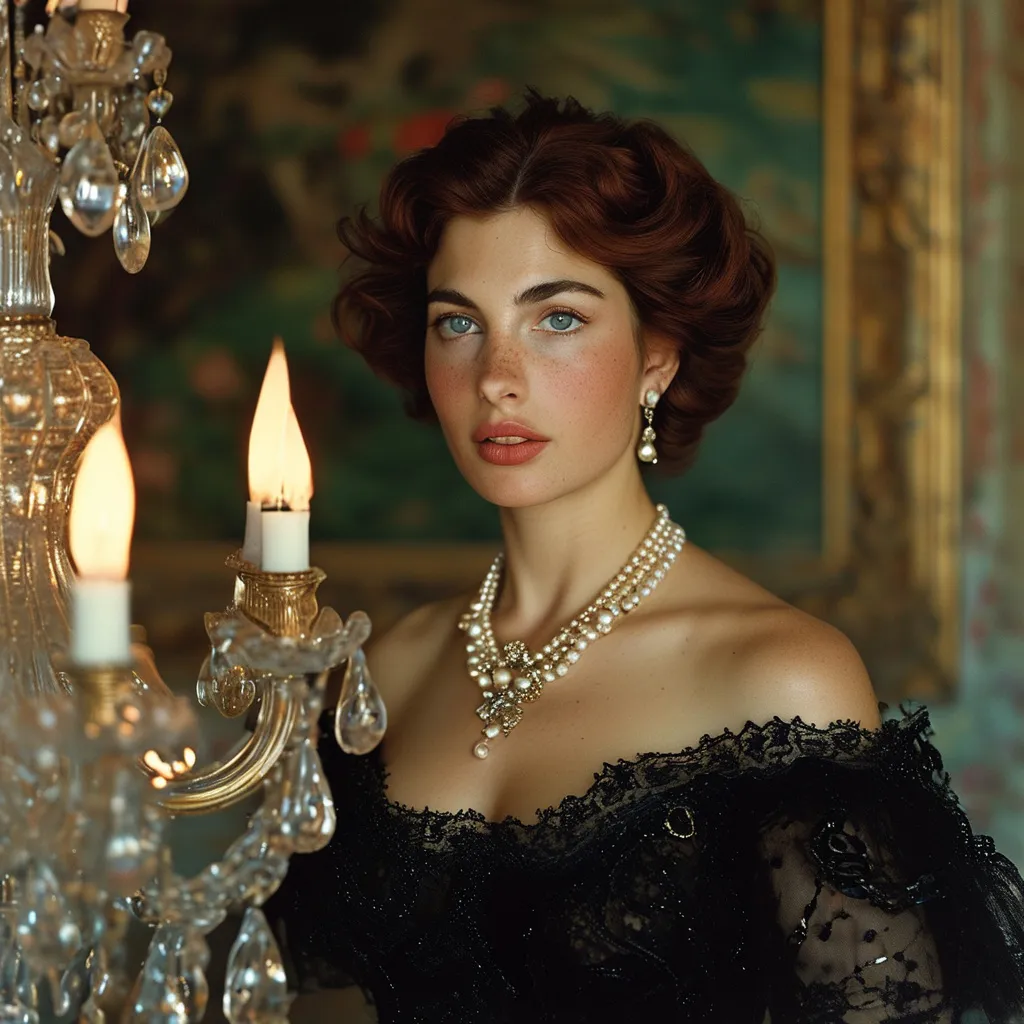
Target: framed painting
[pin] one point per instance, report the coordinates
(834, 480)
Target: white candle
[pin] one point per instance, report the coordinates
(100, 623)
(100, 535)
(251, 546)
(280, 477)
(285, 541)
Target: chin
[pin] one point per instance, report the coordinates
(524, 486)
(520, 492)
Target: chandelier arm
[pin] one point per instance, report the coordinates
(226, 783)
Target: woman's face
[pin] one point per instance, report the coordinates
(529, 340)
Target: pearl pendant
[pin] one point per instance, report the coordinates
(647, 453)
(516, 675)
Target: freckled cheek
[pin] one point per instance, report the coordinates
(449, 383)
(595, 393)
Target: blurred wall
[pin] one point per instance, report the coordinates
(980, 733)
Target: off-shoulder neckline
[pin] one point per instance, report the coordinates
(764, 747)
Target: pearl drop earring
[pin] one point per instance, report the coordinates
(645, 451)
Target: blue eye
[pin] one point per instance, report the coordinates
(562, 322)
(454, 325)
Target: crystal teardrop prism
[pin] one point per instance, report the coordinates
(305, 809)
(132, 236)
(49, 134)
(204, 683)
(72, 127)
(47, 932)
(89, 185)
(13, 1008)
(361, 718)
(157, 996)
(68, 992)
(193, 959)
(159, 102)
(255, 987)
(163, 177)
(37, 96)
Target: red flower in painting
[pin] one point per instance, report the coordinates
(489, 91)
(421, 130)
(354, 142)
(216, 376)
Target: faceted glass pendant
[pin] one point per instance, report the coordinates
(161, 171)
(204, 684)
(193, 959)
(131, 230)
(89, 186)
(72, 127)
(17, 993)
(305, 810)
(255, 987)
(47, 932)
(361, 719)
(171, 988)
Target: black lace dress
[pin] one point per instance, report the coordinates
(784, 873)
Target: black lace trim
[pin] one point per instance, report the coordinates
(760, 749)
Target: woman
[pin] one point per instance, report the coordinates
(571, 297)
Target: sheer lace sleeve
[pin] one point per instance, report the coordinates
(887, 907)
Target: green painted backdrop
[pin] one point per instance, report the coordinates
(289, 114)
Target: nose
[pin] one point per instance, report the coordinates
(500, 369)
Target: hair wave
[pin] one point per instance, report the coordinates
(623, 194)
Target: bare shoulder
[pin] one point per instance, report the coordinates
(777, 659)
(796, 665)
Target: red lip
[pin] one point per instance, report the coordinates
(507, 428)
(509, 454)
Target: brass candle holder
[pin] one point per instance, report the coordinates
(284, 606)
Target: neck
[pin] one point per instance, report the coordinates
(560, 555)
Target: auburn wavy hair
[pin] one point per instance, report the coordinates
(623, 194)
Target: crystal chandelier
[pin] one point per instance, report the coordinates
(94, 757)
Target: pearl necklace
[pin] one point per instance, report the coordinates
(513, 676)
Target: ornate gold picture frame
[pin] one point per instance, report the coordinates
(893, 354)
(888, 569)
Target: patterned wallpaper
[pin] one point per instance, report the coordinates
(980, 734)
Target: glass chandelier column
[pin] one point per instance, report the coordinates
(94, 760)
(75, 86)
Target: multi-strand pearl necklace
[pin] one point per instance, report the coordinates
(514, 675)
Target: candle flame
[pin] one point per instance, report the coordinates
(103, 507)
(280, 473)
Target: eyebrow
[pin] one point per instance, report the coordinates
(535, 293)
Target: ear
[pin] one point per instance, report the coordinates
(661, 361)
